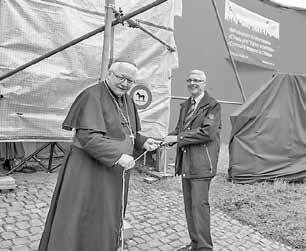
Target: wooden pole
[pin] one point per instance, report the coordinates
(229, 51)
(112, 47)
(107, 41)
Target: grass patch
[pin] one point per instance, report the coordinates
(275, 209)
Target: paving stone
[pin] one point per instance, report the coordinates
(34, 245)
(144, 247)
(35, 230)
(21, 241)
(10, 220)
(23, 225)
(4, 204)
(149, 230)
(23, 233)
(35, 237)
(12, 212)
(166, 248)
(178, 243)
(2, 229)
(5, 244)
(36, 222)
(10, 227)
(22, 218)
(138, 240)
(30, 206)
(34, 216)
(8, 235)
(21, 248)
(134, 249)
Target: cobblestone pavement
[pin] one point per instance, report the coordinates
(157, 217)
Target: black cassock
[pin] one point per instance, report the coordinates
(85, 212)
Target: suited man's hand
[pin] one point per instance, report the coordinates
(170, 140)
(151, 144)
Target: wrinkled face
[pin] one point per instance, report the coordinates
(121, 77)
(195, 86)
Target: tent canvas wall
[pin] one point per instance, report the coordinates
(37, 99)
(200, 45)
(268, 138)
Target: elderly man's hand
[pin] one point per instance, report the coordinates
(151, 144)
(126, 161)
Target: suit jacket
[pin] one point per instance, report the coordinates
(198, 143)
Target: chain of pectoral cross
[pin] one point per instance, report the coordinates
(127, 119)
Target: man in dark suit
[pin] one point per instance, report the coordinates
(197, 135)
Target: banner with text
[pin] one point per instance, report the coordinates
(252, 38)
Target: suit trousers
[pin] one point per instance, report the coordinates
(197, 210)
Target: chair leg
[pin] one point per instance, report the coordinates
(11, 163)
(6, 165)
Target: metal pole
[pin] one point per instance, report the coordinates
(26, 159)
(165, 161)
(136, 24)
(107, 41)
(51, 156)
(145, 160)
(229, 51)
(80, 39)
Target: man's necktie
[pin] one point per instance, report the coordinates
(189, 113)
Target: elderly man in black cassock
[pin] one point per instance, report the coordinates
(85, 212)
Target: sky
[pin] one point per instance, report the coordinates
(296, 3)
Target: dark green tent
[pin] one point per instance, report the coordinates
(268, 138)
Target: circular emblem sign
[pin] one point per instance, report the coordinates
(142, 96)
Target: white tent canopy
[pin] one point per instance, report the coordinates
(291, 4)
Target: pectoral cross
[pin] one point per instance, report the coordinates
(132, 138)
